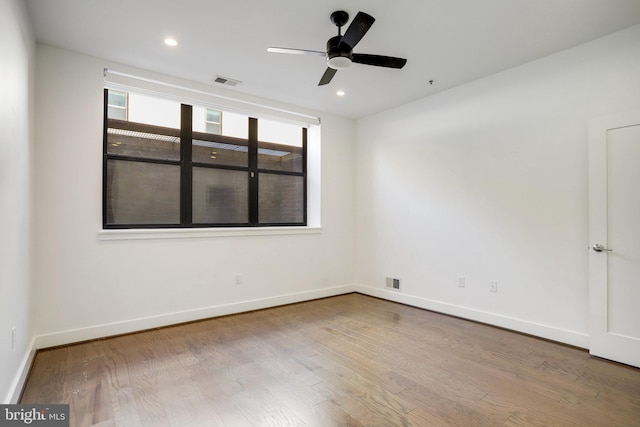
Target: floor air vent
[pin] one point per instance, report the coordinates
(393, 283)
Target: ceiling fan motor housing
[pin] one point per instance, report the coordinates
(338, 55)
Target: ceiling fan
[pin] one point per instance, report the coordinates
(339, 52)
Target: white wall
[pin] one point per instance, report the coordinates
(16, 88)
(88, 287)
(489, 181)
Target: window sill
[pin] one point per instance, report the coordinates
(198, 233)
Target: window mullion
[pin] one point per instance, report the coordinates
(186, 167)
(105, 188)
(253, 171)
(304, 172)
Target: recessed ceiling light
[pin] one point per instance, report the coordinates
(170, 42)
(340, 93)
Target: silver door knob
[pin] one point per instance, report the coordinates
(600, 248)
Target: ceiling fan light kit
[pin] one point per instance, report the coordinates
(339, 52)
(339, 62)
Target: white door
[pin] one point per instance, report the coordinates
(614, 236)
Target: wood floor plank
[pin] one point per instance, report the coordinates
(375, 372)
(350, 360)
(288, 373)
(49, 372)
(328, 414)
(357, 404)
(263, 408)
(216, 406)
(449, 405)
(351, 380)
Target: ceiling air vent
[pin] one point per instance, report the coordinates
(226, 81)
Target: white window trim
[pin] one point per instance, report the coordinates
(200, 233)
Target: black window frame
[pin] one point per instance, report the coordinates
(186, 164)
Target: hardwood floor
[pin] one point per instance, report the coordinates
(350, 360)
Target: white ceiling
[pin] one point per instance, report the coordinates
(449, 41)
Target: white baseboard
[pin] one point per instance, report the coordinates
(134, 325)
(15, 389)
(573, 338)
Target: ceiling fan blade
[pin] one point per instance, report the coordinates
(327, 76)
(357, 29)
(296, 51)
(379, 60)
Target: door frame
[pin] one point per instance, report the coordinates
(601, 343)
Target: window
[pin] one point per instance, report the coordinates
(281, 163)
(117, 105)
(213, 122)
(163, 167)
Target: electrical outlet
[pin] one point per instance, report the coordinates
(238, 279)
(493, 286)
(461, 282)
